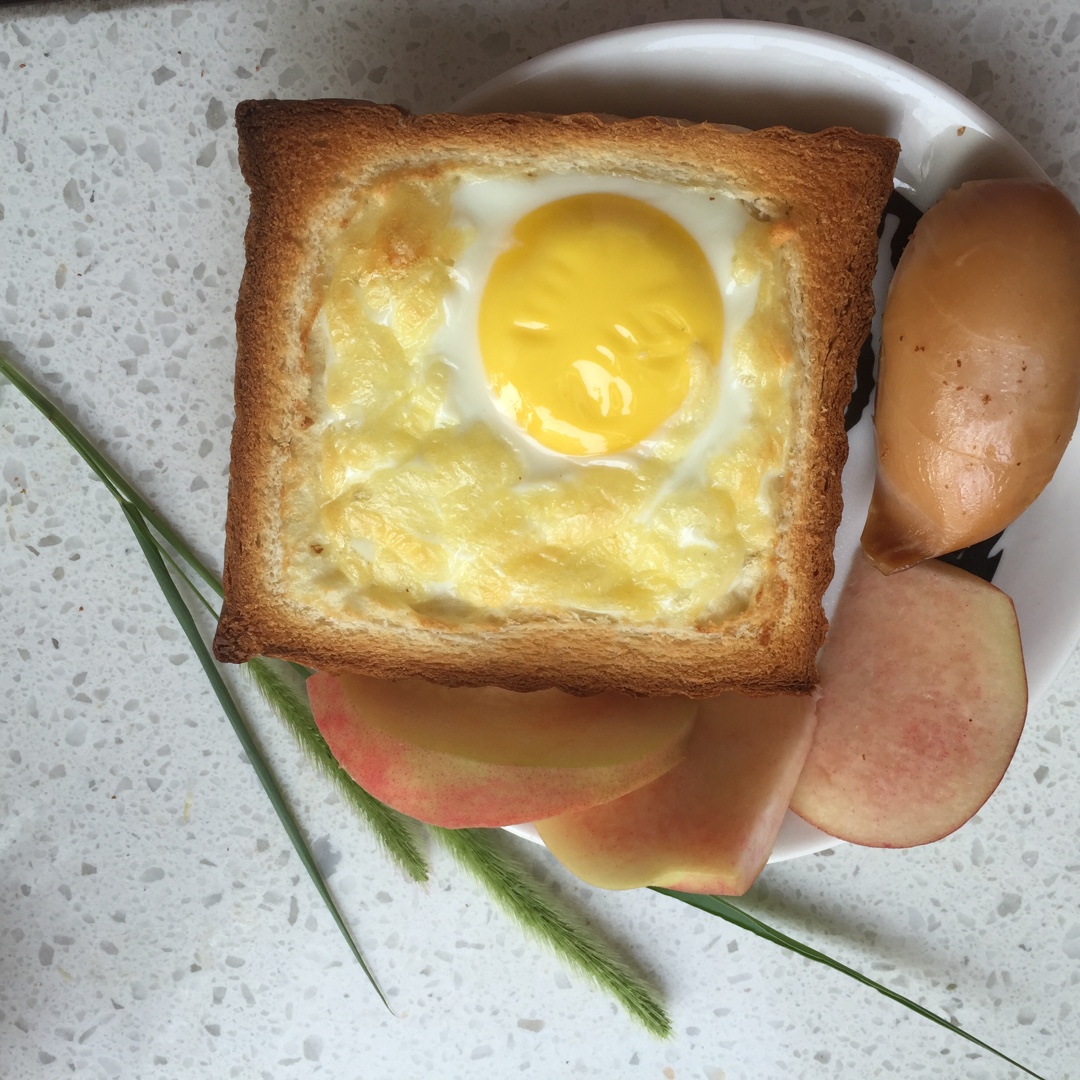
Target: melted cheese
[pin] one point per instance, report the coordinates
(414, 491)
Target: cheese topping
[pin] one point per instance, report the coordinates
(462, 474)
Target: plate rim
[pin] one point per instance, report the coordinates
(737, 28)
(805, 838)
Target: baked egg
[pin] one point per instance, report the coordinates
(549, 393)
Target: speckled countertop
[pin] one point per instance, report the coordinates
(154, 921)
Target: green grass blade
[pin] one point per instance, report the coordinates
(389, 827)
(472, 848)
(724, 909)
(394, 831)
(299, 669)
(178, 569)
(550, 923)
(109, 475)
(251, 749)
(289, 703)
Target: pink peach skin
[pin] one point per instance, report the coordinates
(485, 757)
(923, 699)
(708, 825)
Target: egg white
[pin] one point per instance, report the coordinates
(488, 209)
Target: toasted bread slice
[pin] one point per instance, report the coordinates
(357, 543)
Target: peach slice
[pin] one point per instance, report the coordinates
(709, 824)
(923, 698)
(470, 757)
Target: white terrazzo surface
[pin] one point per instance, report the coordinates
(153, 920)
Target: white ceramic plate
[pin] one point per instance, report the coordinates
(757, 74)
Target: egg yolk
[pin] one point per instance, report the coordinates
(591, 320)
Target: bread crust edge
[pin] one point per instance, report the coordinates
(301, 157)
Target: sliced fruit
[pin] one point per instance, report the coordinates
(484, 757)
(502, 727)
(709, 824)
(923, 698)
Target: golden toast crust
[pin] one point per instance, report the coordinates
(307, 163)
